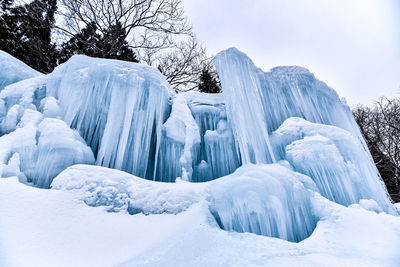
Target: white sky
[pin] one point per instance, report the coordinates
(352, 45)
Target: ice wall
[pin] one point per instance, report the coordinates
(258, 102)
(13, 70)
(244, 105)
(118, 108)
(180, 143)
(218, 155)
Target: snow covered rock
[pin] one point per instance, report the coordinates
(13, 70)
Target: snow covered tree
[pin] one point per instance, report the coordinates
(25, 32)
(208, 82)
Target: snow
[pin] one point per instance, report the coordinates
(51, 228)
(13, 70)
(120, 191)
(252, 199)
(55, 228)
(296, 184)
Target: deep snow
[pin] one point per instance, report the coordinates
(41, 227)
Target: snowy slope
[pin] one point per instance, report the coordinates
(54, 228)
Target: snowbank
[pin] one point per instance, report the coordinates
(268, 200)
(53, 228)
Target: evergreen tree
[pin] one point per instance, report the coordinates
(113, 44)
(89, 42)
(25, 32)
(208, 83)
(82, 43)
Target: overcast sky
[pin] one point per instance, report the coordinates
(352, 45)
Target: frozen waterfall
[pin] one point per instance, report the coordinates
(256, 155)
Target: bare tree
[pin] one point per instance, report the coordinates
(380, 127)
(157, 30)
(148, 24)
(183, 65)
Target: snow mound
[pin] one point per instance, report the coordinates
(13, 70)
(269, 200)
(120, 191)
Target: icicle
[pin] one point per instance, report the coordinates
(333, 158)
(180, 143)
(243, 98)
(118, 107)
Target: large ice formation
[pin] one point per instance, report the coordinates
(13, 70)
(197, 142)
(118, 107)
(259, 102)
(274, 139)
(35, 144)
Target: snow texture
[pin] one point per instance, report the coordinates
(269, 200)
(54, 228)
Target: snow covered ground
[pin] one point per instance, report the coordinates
(41, 227)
